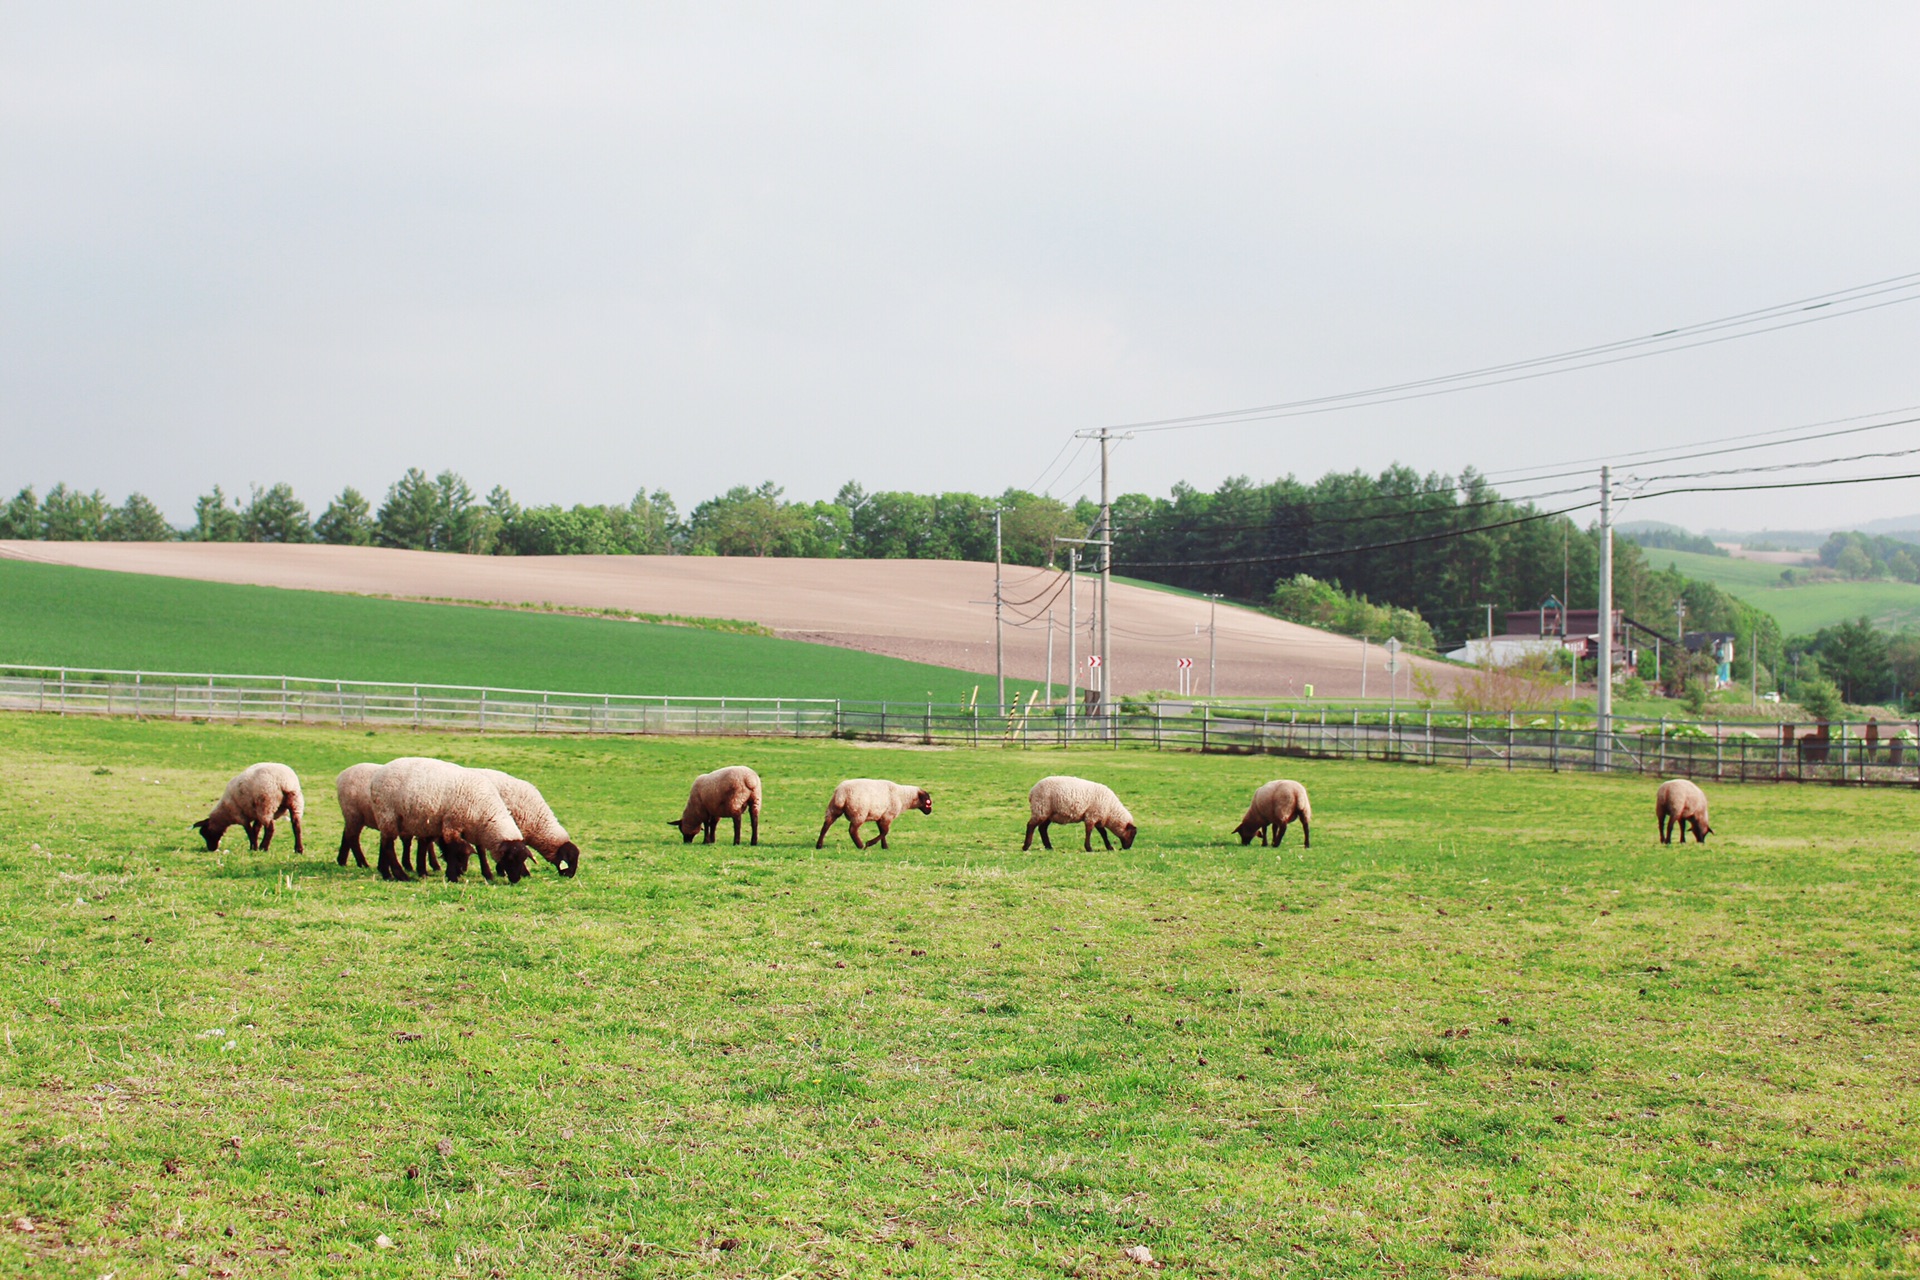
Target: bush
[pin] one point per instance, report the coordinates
(1313, 603)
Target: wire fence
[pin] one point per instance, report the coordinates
(1869, 753)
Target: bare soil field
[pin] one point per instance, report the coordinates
(936, 611)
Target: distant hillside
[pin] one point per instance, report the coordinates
(1800, 610)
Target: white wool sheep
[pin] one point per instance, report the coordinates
(253, 799)
(863, 800)
(534, 817)
(724, 793)
(387, 791)
(1063, 799)
(356, 808)
(1680, 804)
(458, 808)
(1274, 806)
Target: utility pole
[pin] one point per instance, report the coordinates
(1049, 658)
(1604, 755)
(1106, 577)
(1489, 609)
(1363, 667)
(999, 640)
(1213, 642)
(1073, 636)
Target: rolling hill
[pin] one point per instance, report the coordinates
(1800, 609)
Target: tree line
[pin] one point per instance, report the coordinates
(443, 513)
(1433, 549)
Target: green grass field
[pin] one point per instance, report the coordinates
(1485, 1026)
(92, 618)
(1799, 610)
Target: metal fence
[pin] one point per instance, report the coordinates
(1876, 753)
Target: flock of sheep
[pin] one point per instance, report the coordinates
(418, 804)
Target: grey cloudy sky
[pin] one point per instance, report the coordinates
(578, 249)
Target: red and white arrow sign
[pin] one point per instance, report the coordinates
(1093, 659)
(1185, 664)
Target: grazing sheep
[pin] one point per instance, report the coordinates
(1062, 799)
(253, 799)
(1680, 804)
(536, 821)
(356, 808)
(1274, 806)
(458, 809)
(387, 790)
(724, 793)
(863, 800)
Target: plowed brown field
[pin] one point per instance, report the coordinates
(936, 611)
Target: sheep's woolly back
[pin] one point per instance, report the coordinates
(724, 793)
(1064, 799)
(390, 790)
(866, 799)
(1681, 799)
(256, 793)
(530, 811)
(354, 786)
(469, 808)
(1282, 800)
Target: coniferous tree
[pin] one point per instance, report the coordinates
(347, 521)
(275, 515)
(137, 520)
(69, 515)
(21, 518)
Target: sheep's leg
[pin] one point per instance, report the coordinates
(458, 855)
(853, 829)
(753, 813)
(358, 856)
(1103, 840)
(253, 835)
(390, 867)
(885, 824)
(350, 841)
(1306, 832)
(299, 840)
(1028, 842)
(710, 826)
(1660, 819)
(486, 868)
(266, 835)
(433, 859)
(1279, 832)
(1088, 837)
(736, 828)
(833, 816)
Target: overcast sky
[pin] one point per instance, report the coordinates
(580, 249)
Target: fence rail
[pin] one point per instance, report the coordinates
(1873, 753)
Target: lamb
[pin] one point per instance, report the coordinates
(724, 793)
(1274, 806)
(1062, 799)
(253, 799)
(863, 800)
(356, 808)
(1680, 804)
(458, 808)
(536, 821)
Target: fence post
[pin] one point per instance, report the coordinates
(1719, 748)
(1509, 742)
(63, 691)
(416, 706)
(1205, 718)
(1554, 751)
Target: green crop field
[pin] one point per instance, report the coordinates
(93, 618)
(1799, 610)
(1485, 1026)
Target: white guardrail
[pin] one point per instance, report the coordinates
(1869, 753)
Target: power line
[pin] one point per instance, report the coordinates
(1619, 351)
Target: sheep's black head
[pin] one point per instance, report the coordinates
(512, 858)
(456, 857)
(1126, 834)
(1248, 830)
(924, 801)
(1701, 830)
(567, 858)
(687, 827)
(210, 831)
